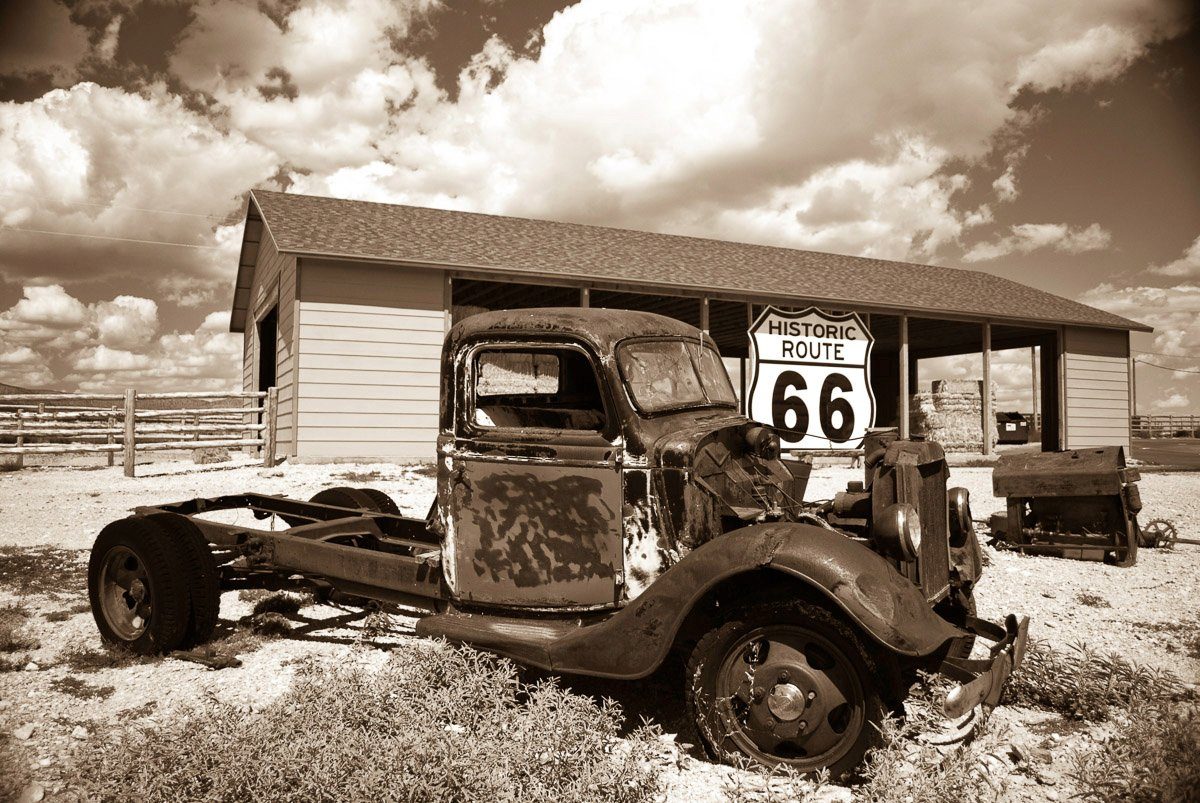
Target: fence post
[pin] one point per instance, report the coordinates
(130, 446)
(112, 422)
(20, 438)
(272, 410)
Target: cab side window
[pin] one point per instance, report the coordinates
(550, 388)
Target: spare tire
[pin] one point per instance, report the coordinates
(138, 586)
(367, 499)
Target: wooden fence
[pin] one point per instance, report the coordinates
(44, 423)
(1165, 426)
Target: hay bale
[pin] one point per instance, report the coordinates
(952, 415)
(210, 454)
(12, 462)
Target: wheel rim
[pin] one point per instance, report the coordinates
(125, 593)
(788, 694)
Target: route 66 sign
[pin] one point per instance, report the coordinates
(811, 378)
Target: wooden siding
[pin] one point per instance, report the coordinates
(274, 286)
(1097, 388)
(370, 341)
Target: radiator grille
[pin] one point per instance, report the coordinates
(924, 487)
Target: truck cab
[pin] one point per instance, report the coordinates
(602, 505)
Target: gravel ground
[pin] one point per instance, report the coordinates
(1142, 613)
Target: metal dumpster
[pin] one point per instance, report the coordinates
(1012, 428)
(1079, 504)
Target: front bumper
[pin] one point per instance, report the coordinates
(981, 681)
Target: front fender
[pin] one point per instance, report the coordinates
(865, 587)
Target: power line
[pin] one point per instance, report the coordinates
(107, 237)
(1164, 354)
(1167, 367)
(231, 217)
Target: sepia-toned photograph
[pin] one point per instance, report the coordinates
(574, 401)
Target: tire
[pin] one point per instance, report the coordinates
(383, 502)
(356, 498)
(138, 586)
(818, 672)
(203, 578)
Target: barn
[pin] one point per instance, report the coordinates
(343, 306)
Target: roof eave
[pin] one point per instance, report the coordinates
(1128, 325)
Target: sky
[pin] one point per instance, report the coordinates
(1054, 144)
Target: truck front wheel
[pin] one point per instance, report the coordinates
(786, 683)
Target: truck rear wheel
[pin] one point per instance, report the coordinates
(786, 683)
(137, 586)
(202, 576)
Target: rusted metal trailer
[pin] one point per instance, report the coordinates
(601, 504)
(1079, 504)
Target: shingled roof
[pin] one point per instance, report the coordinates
(309, 225)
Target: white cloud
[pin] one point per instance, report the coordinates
(1186, 267)
(1172, 400)
(126, 321)
(1006, 184)
(50, 337)
(1027, 237)
(105, 163)
(22, 355)
(1098, 54)
(47, 306)
(750, 122)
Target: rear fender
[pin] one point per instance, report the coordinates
(862, 585)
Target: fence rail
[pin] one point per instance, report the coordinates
(1165, 426)
(46, 423)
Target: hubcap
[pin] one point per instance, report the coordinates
(787, 702)
(125, 593)
(789, 694)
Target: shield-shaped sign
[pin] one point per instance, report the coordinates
(812, 378)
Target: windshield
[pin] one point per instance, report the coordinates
(671, 374)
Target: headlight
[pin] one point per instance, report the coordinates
(898, 531)
(763, 443)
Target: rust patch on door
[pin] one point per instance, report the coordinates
(540, 536)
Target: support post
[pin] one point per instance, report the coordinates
(130, 443)
(704, 314)
(585, 297)
(988, 415)
(904, 389)
(1034, 380)
(270, 419)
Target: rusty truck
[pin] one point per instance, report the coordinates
(604, 509)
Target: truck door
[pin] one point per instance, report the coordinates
(534, 490)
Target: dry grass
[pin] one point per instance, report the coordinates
(1083, 684)
(91, 660)
(1154, 755)
(14, 770)
(42, 569)
(360, 477)
(904, 770)
(14, 641)
(285, 603)
(444, 724)
(80, 690)
(1092, 600)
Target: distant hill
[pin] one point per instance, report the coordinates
(6, 389)
(69, 399)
